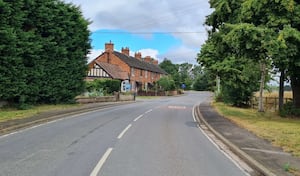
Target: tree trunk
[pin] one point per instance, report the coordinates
(281, 89)
(218, 85)
(295, 81)
(262, 86)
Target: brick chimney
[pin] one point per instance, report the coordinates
(138, 55)
(125, 51)
(155, 62)
(148, 59)
(109, 47)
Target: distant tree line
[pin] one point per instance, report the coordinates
(248, 38)
(193, 77)
(43, 46)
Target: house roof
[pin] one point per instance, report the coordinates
(113, 70)
(136, 63)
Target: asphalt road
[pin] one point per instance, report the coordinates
(157, 137)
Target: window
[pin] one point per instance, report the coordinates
(141, 73)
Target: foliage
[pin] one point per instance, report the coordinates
(184, 73)
(169, 67)
(239, 87)
(264, 31)
(204, 81)
(166, 83)
(290, 110)
(281, 17)
(100, 87)
(239, 74)
(43, 47)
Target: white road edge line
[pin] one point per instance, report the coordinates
(217, 146)
(136, 119)
(124, 131)
(148, 111)
(99, 165)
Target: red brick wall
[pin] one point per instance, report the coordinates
(109, 57)
(114, 60)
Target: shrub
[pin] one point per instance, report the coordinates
(289, 110)
(103, 86)
(166, 83)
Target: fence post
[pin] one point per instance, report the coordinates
(275, 103)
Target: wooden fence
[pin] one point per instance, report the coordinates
(270, 103)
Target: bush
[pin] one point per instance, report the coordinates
(103, 86)
(166, 83)
(289, 110)
(238, 96)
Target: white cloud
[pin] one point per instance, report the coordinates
(149, 52)
(180, 55)
(177, 16)
(149, 15)
(93, 54)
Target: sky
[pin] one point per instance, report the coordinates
(172, 29)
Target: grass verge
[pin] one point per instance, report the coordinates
(7, 114)
(148, 97)
(282, 132)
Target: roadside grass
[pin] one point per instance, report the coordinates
(282, 132)
(7, 114)
(148, 97)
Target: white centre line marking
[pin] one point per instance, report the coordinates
(136, 119)
(101, 162)
(124, 131)
(148, 111)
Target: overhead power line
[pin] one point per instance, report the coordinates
(148, 32)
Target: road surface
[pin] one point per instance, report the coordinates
(156, 137)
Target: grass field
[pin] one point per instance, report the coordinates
(11, 113)
(271, 100)
(282, 132)
(274, 94)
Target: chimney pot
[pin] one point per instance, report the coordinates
(125, 51)
(148, 59)
(138, 55)
(155, 62)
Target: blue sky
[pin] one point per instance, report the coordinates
(161, 29)
(158, 41)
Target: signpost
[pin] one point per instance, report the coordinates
(125, 86)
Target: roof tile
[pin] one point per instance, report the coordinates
(136, 63)
(113, 70)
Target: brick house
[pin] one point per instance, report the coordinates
(140, 72)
